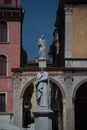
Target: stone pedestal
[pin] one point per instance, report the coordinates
(43, 119)
(42, 62)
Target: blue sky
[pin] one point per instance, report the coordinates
(39, 18)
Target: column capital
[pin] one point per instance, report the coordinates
(68, 10)
(16, 79)
(68, 79)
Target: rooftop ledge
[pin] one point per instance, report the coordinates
(63, 69)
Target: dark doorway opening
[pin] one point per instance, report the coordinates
(27, 106)
(81, 108)
(57, 107)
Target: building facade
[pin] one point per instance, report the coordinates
(11, 17)
(68, 51)
(67, 74)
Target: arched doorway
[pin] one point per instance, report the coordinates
(81, 107)
(29, 103)
(56, 106)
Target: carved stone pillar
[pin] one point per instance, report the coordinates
(64, 115)
(68, 103)
(68, 34)
(17, 102)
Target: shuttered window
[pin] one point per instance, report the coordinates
(2, 102)
(3, 65)
(3, 32)
(7, 1)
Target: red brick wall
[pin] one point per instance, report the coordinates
(14, 29)
(9, 105)
(6, 86)
(11, 50)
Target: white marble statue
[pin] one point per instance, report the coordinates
(43, 89)
(42, 47)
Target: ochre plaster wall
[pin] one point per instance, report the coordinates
(79, 32)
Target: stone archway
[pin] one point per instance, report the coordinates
(28, 105)
(57, 100)
(80, 106)
(20, 86)
(58, 108)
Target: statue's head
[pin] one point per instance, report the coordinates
(42, 36)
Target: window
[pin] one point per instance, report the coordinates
(7, 1)
(3, 65)
(3, 32)
(2, 102)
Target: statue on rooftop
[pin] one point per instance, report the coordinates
(42, 46)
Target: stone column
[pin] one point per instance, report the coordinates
(68, 34)
(64, 115)
(17, 102)
(68, 121)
